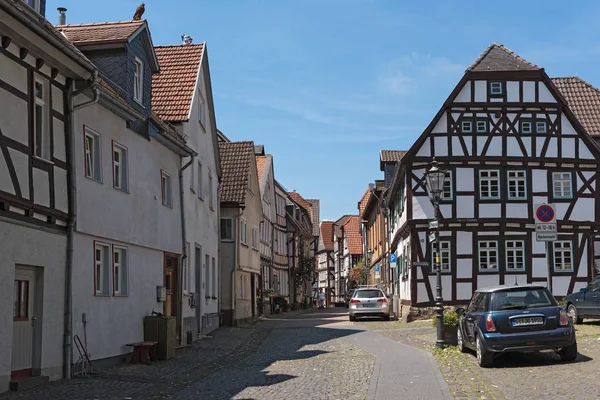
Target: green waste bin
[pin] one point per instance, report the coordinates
(164, 331)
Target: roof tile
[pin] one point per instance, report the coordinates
(326, 233)
(364, 200)
(391, 155)
(261, 162)
(173, 88)
(235, 163)
(498, 58)
(102, 32)
(297, 198)
(353, 236)
(583, 99)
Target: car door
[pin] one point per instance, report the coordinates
(470, 316)
(593, 298)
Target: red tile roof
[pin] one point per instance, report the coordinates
(498, 58)
(261, 162)
(326, 233)
(364, 200)
(103, 32)
(390, 156)
(353, 236)
(173, 88)
(298, 199)
(583, 99)
(235, 163)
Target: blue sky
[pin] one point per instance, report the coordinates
(326, 84)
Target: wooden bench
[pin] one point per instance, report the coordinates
(143, 352)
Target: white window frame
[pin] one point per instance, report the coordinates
(559, 177)
(445, 253)
(512, 179)
(529, 124)
(448, 182)
(465, 123)
(166, 188)
(254, 237)
(485, 126)
(232, 238)
(543, 123)
(559, 249)
(102, 288)
(36, 5)
(93, 155)
(498, 86)
(513, 252)
(486, 249)
(123, 266)
(42, 150)
(123, 166)
(489, 181)
(198, 263)
(138, 81)
(199, 190)
(243, 231)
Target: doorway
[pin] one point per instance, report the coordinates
(253, 296)
(23, 323)
(171, 286)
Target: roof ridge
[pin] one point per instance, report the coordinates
(579, 79)
(179, 45)
(106, 23)
(508, 51)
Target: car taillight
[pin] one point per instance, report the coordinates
(354, 301)
(489, 324)
(384, 300)
(563, 318)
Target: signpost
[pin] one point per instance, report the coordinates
(377, 273)
(432, 237)
(420, 264)
(545, 231)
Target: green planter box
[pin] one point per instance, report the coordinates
(164, 331)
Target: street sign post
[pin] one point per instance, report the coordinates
(545, 223)
(420, 264)
(434, 224)
(432, 237)
(393, 258)
(377, 273)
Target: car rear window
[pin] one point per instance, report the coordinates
(368, 294)
(521, 299)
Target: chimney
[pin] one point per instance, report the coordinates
(62, 17)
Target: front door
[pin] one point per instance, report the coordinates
(23, 320)
(170, 282)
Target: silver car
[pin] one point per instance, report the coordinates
(369, 302)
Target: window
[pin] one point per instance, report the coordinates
(93, 165)
(227, 229)
(516, 185)
(210, 192)
(101, 269)
(444, 256)
(207, 276)
(42, 120)
(563, 257)
(138, 81)
(482, 126)
(254, 237)
(496, 88)
(21, 301)
(488, 255)
(165, 185)
(214, 278)
(467, 126)
(447, 192)
(120, 272)
(243, 231)
(120, 167)
(562, 185)
(489, 184)
(242, 287)
(201, 110)
(35, 4)
(198, 263)
(541, 127)
(515, 255)
(526, 127)
(199, 190)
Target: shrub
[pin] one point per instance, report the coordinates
(450, 319)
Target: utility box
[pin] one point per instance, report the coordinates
(164, 331)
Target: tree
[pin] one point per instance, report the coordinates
(359, 272)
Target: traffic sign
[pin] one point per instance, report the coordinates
(545, 223)
(434, 224)
(393, 258)
(432, 237)
(420, 264)
(376, 267)
(545, 214)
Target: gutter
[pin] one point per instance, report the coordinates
(184, 240)
(71, 228)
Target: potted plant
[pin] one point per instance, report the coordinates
(450, 324)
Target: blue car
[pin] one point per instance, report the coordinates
(523, 318)
(585, 303)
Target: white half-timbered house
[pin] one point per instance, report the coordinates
(509, 141)
(281, 269)
(325, 262)
(266, 180)
(38, 71)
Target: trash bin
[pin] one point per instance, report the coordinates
(164, 331)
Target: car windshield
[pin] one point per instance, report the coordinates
(521, 299)
(368, 294)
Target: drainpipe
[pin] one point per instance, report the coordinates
(184, 240)
(71, 227)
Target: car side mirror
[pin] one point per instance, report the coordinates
(460, 311)
(583, 290)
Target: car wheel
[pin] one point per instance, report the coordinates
(568, 353)
(386, 317)
(459, 339)
(484, 359)
(352, 318)
(573, 314)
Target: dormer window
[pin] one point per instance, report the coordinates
(35, 4)
(138, 81)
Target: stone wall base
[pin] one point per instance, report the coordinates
(413, 313)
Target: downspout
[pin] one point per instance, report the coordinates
(71, 227)
(184, 244)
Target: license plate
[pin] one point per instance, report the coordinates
(368, 305)
(528, 321)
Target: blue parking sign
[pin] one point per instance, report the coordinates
(392, 258)
(376, 267)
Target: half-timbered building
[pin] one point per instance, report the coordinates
(340, 267)
(301, 255)
(281, 268)
(325, 262)
(509, 141)
(38, 72)
(264, 165)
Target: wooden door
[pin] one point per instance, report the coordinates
(171, 286)
(23, 320)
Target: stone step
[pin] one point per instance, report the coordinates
(19, 384)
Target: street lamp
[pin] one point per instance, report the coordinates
(435, 179)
